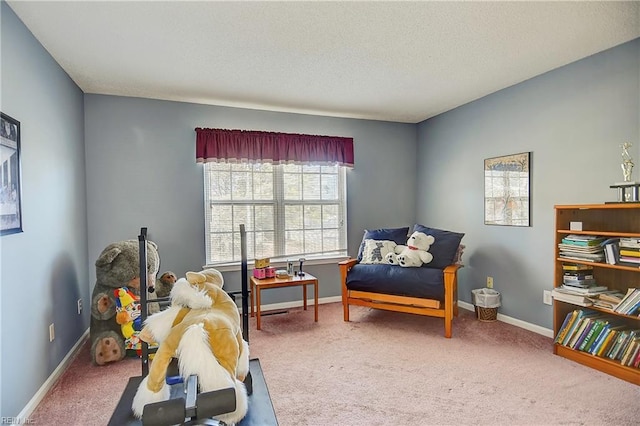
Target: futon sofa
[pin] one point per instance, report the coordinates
(429, 290)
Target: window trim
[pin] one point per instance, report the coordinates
(276, 263)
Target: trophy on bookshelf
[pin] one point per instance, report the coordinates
(628, 189)
(627, 162)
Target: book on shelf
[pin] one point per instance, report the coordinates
(625, 345)
(628, 264)
(611, 253)
(593, 349)
(636, 362)
(608, 340)
(580, 249)
(634, 309)
(579, 281)
(631, 350)
(574, 334)
(620, 339)
(581, 256)
(608, 299)
(566, 324)
(584, 273)
(614, 296)
(584, 282)
(587, 239)
(575, 325)
(630, 240)
(587, 333)
(594, 332)
(598, 343)
(584, 291)
(568, 276)
(576, 267)
(607, 306)
(572, 257)
(630, 259)
(612, 240)
(587, 322)
(630, 252)
(604, 345)
(576, 299)
(572, 320)
(630, 243)
(580, 333)
(628, 302)
(592, 253)
(613, 338)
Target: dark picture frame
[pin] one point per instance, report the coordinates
(10, 176)
(507, 190)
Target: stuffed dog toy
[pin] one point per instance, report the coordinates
(202, 329)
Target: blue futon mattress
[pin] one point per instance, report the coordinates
(424, 282)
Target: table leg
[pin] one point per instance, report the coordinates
(304, 296)
(253, 290)
(315, 297)
(258, 308)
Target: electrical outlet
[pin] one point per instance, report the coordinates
(79, 306)
(52, 333)
(546, 297)
(489, 282)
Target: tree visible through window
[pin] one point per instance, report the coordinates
(506, 190)
(289, 211)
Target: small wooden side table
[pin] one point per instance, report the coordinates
(257, 285)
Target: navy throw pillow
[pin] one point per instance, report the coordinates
(399, 235)
(444, 248)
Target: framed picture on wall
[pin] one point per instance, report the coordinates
(507, 199)
(10, 196)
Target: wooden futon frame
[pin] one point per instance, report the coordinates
(414, 305)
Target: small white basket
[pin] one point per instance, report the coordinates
(486, 301)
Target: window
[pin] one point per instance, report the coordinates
(289, 210)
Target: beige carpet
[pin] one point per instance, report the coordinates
(386, 368)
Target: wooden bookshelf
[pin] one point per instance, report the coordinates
(606, 220)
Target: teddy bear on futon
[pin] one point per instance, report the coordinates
(415, 253)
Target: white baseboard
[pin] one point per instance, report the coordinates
(468, 306)
(48, 384)
(547, 332)
(298, 303)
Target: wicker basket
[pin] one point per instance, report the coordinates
(487, 314)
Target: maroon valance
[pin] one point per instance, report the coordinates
(219, 145)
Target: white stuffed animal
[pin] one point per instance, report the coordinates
(415, 253)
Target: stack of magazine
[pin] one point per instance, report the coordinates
(586, 248)
(579, 286)
(629, 252)
(608, 300)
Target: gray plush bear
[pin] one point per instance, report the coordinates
(117, 266)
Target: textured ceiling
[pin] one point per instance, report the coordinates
(395, 61)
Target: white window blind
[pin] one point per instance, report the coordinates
(289, 211)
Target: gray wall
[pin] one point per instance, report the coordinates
(573, 120)
(142, 172)
(44, 269)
